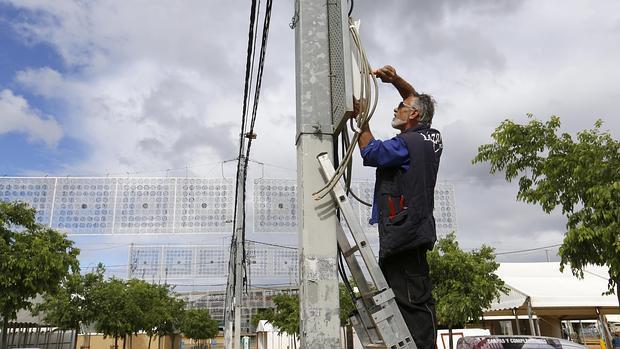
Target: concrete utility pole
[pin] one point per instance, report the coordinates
(319, 309)
(239, 278)
(232, 334)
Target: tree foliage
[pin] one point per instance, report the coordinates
(464, 283)
(113, 309)
(73, 303)
(34, 259)
(197, 324)
(166, 314)
(129, 307)
(581, 176)
(346, 304)
(285, 314)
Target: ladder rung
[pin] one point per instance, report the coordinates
(368, 295)
(351, 251)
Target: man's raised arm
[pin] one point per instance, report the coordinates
(388, 74)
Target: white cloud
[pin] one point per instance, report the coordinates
(45, 82)
(17, 116)
(158, 85)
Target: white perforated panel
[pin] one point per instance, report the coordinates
(144, 205)
(275, 205)
(365, 191)
(145, 262)
(84, 205)
(204, 205)
(37, 192)
(445, 209)
(212, 261)
(272, 261)
(178, 262)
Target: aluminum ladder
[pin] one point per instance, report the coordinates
(377, 320)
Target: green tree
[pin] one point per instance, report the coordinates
(173, 313)
(34, 259)
(581, 176)
(346, 308)
(198, 325)
(73, 304)
(113, 309)
(285, 314)
(141, 297)
(346, 304)
(464, 283)
(156, 310)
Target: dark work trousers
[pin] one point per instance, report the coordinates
(407, 275)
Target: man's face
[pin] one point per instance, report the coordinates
(404, 114)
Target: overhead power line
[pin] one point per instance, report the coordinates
(273, 245)
(528, 250)
(237, 260)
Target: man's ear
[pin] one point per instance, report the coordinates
(414, 114)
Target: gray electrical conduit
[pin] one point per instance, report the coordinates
(365, 113)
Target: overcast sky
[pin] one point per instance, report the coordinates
(110, 87)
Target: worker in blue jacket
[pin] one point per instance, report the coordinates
(403, 203)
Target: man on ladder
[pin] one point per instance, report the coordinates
(403, 203)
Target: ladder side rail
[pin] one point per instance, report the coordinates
(397, 324)
(360, 329)
(388, 321)
(343, 202)
(352, 262)
(364, 325)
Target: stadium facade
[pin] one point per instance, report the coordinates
(138, 207)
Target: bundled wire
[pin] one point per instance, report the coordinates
(246, 135)
(249, 68)
(369, 97)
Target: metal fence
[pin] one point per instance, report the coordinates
(29, 335)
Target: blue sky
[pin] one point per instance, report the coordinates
(21, 155)
(116, 87)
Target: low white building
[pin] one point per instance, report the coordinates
(542, 300)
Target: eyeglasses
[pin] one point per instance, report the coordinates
(403, 105)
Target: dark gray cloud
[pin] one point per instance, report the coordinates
(452, 31)
(219, 138)
(164, 83)
(461, 141)
(193, 140)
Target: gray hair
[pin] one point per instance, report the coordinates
(425, 105)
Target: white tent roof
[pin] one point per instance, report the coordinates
(265, 326)
(547, 287)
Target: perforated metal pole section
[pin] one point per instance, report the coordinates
(319, 310)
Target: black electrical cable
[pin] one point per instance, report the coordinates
(345, 280)
(259, 79)
(243, 136)
(252, 34)
(343, 273)
(348, 173)
(246, 91)
(350, 8)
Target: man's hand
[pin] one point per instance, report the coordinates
(358, 105)
(386, 74)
